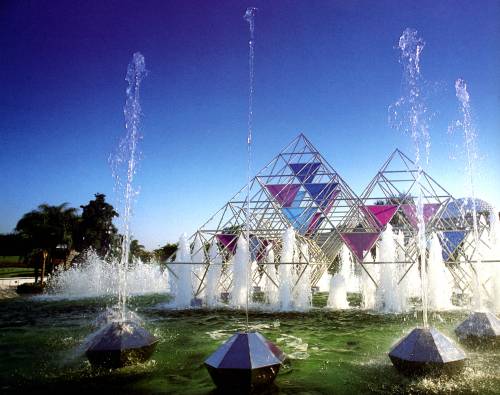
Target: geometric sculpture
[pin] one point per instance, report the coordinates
(479, 327)
(119, 344)
(245, 361)
(426, 350)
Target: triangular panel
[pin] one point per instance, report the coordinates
(383, 213)
(360, 243)
(305, 172)
(450, 241)
(283, 193)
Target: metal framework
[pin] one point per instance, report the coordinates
(299, 188)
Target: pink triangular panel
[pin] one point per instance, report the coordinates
(430, 209)
(359, 243)
(383, 213)
(228, 241)
(284, 193)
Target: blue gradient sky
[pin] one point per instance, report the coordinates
(327, 68)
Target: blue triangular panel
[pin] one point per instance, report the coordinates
(305, 172)
(298, 199)
(322, 193)
(299, 217)
(450, 241)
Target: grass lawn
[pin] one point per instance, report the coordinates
(9, 260)
(16, 272)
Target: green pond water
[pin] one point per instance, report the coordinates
(328, 352)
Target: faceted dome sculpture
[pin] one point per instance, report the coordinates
(479, 327)
(119, 344)
(426, 350)
(245, 361)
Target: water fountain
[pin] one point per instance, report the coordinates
(124, 341)
(213, 274)
(285, 270)
(271, 280)
(240, 268)
(181, 284)
(388, 297)
(247, 360)
(368, 287)
(337, 297)
(439, 284)
(481, 325)
(424, 349)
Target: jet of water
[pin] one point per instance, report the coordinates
(470, 144)
(410, 115)
(125, 161)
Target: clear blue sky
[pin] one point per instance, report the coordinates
(327, 68)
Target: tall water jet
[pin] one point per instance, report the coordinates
(182, 282)
(440, 290)
(240, 274)
(246, 360)
(481, 325)
(285, 270)
(213, 275)
(418, 351)
(388, 298)
(124, 341)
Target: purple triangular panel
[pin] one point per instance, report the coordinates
(359, 243)
(305, 172)
(383, 213)
(430, 210)
(228, 241)
(322, 194)
(283, 193)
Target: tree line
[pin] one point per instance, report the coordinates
(51, 236)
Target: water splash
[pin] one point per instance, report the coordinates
(96, 277)
(124, 165)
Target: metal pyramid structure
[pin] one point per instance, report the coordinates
(392, 196)
(296, 188)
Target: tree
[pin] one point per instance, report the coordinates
(138, 251)
(167, 251)
(96, 229)
(44, 230)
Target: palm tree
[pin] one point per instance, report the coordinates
(46, 229)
